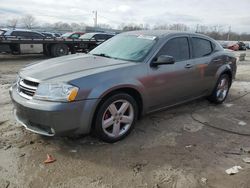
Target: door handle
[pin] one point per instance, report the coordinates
(188, 66)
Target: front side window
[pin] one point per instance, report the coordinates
(177, 48)
(201, 47)
(126, 47)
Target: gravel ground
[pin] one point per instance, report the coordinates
(187, 146)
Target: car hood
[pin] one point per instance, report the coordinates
(70, 67)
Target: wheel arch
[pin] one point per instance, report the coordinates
(133, 92)
(225, 70)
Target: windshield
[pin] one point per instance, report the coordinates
(126, 47)
(66, 34)
(87, 36)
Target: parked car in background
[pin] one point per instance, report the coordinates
(233, 46)
(224, 44)
(242, 45)
(132, 74)
(247, 45)
(97, 36)
(2, 31)
(23, 34)
(50, 34)
(72, 35)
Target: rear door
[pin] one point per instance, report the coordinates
(204, 60)
(174, 83)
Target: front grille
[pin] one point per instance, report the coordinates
(26, 88)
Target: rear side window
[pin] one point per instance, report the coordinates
(201, 47)
(101, 37)
(18, 33)
(177, 48)
(34, 35)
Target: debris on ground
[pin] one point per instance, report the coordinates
(246, 160)
(31, 142)
(189, 146)
(233, 170)
(242, 123)
(137, 167)
(204, 180)
(49, 159)
(73, 151)
(22, 155)
(228, 105)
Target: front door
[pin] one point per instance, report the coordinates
(173, 83)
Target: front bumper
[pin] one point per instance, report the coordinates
(53, 118)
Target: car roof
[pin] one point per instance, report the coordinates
(27, 30)
(47, 32)
(95, 33)
(160, 33)
(9, 32)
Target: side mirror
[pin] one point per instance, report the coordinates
(163, 60)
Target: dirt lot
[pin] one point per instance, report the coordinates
(188, 146)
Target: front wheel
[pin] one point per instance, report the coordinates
(221, 89)
(116, 117)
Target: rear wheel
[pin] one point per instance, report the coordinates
(58, 50)
(220, 92)
(116, 117)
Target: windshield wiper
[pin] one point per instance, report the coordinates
(102, 55)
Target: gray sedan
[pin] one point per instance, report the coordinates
(130, 75)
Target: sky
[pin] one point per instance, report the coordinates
(225, 13)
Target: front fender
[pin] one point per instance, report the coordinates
(109, 86)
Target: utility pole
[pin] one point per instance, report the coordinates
(95, 18)
(229, 31)
(197, 28)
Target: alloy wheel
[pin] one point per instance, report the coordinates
(118, 118)
(222, 89)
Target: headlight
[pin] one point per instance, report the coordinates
(56, 92)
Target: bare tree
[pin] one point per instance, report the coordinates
(12, 23)
(178, 27)
(132, 27)
(29, 21)
(162, 27)
(105, 26)
(75, 27)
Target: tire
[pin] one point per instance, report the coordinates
(221, 89)
(58, 50)
(47, 50)
(118, 124)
